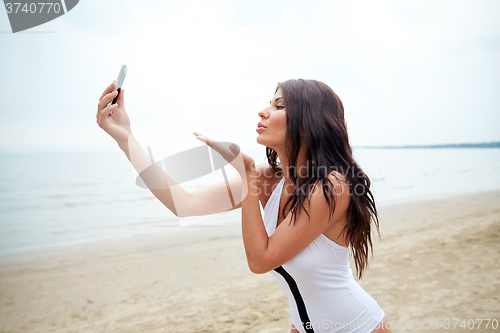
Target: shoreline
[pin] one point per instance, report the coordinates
(436, 259)
(232, 220)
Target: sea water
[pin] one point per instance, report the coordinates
(59, 198)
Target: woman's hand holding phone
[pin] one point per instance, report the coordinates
(112, 118)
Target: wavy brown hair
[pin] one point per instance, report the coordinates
(314, 108)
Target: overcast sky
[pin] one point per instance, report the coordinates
(408, 72)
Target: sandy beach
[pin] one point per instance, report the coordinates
(437, 260)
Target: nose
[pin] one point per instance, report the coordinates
(263, 113)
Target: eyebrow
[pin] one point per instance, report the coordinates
(276, 99)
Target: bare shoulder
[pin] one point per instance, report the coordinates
(339, 182)
(320, 208)
(337, 186)
(340, 189)
(267, 182)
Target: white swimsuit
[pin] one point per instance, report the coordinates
(323, 295)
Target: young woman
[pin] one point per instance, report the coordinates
(317, 203)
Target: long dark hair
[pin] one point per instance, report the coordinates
(315, 110)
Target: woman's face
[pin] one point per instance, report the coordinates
(273, 118)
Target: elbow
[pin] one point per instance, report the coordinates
(257, 266)
(256, 269)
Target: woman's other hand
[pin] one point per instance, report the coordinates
(241, 162)
(113, 119)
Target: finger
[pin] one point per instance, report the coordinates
(222, 148)
(106, 99)
(225, 148)
(199, 135)
(104, 114)
(203, 139)
(229, 151)
(108, 89)
(103, 118)
(121, 101)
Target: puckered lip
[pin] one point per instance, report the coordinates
(261, 125)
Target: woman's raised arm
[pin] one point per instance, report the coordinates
(216, 198)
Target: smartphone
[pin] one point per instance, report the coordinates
(119, 84)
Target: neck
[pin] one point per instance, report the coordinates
(301, 168)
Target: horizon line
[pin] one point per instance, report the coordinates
(491, 144)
